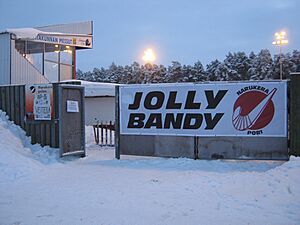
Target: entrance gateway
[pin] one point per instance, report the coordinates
(204, 120)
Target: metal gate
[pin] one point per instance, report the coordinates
(71, 120)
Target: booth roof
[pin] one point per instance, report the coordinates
(28, 33)
(31, 33)
(97, 89)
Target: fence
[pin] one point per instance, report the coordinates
(57, 132)
(104, 134)
(166, 126)
(294, 122)
(13, 102)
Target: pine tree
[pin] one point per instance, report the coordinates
(187, 74)
(287, 66)
(162, 73)
(175, 72)
(252, 71)
(212, 70)
(264, 65)
(238, 65)
(114, 73)
(136, 73)
(295, 60)
(230, 62)
(79, 75)
(198, 72)
(222, 72)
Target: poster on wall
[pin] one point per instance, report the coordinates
(205, 109)
(39, 102)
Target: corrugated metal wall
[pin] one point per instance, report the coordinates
(4, 58)
(12, 101)
(22, 71)
(72, 28)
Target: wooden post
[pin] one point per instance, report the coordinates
(110, 134)
(295, 114)
(117, 125)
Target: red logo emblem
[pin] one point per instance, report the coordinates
(253, 110)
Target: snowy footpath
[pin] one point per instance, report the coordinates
(37, 188)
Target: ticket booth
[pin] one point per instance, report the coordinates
(44, 54)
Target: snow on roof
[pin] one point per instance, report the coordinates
(96, 89)
(27, 33)
(93, 89)
(32, 33)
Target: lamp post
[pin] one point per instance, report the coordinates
(280, 40)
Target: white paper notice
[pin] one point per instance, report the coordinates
(72, 106)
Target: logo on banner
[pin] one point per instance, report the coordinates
(253, 110)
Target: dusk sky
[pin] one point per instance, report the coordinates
(184, 31)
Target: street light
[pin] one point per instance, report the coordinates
(149, 56)
(280, 40)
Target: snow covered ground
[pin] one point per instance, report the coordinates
(36, 187)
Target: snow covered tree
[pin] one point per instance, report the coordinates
(114, 73)
(230, 62)
(136, 73)
(155, 74)
(216, 71)
(79, 75)
(175, 72)
(162, 74)
(252, 71)
(144, 76)
(99, 75)
(287, 66)
(198, 72)
(88, 76)
(211, 70)
(187, 73)
(194, 73)
(238, 65)
(222, 72)
(295, 61)
(264, 65)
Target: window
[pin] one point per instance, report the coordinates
(20, 46)
(51, 52)
(54, 61)
(66, 72)
(66, 55)
(51, 71)
(34, 54)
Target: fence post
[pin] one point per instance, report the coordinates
(295, 114)
(110, 134)
(22, 106)
(117, 125)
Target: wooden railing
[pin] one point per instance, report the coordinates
(104, 134)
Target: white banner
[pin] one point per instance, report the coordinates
(79, 41)
(212, 109)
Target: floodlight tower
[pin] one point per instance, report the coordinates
(280, 39)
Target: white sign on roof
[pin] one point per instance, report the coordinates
(78, 40)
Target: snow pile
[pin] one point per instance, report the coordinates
(38, 188)
(14, 140)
